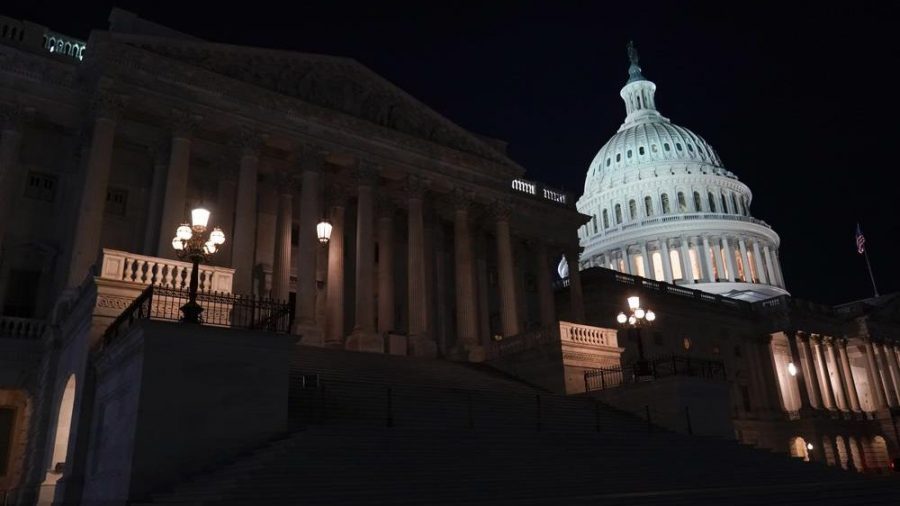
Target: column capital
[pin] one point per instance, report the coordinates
(462, 199)
(501, 210)
(183, 123)
(416, 186)
(247, 141)
(366, 173)
(106, 105)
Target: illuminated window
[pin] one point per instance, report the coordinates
(638, 267)
(695, 264)
(698, 204)
(618, 214)
(686, 343)
(665, 203)
(682, 203)
(712, 202)
(605, 219)
(724, 204)
(632, 209)
(658, 273)
(41, 186)
(675, 261)
(648, 206)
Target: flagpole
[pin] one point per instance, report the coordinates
(871, 276)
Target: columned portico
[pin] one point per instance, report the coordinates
(807, 397)
(245, 213)
(334, 298)
(420, 343)
(850, 383)
(809, 372)
(175, 203)
(836, 376)
(884, 374)
(509, 314)
(666, 260)
(386, 317)
(466, 309)
(729, 259)
(281, 268)
(311, 164)
(874, 379)
(364, 337)
(687, 269)
(760, 267)
(824, 377)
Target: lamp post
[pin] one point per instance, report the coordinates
(637, 317)
(192, 242)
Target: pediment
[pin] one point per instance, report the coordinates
(339, 84)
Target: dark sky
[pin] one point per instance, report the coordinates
(796, 98)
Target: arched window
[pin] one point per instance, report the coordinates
(605, 219)
(648, 206)
(682, 203)
(653, 148)
(712, 202)
(594, 222)
(665, 203)
(678, 146)
(698, 204)
(632, 209)
(690, 148)
(675, 262)
(63, 424)
(618, 214)
(641, 150)
(666, 146)
(734, 202)
(607, 161)
(618, 157)
(745, 207)
(629, 153)
(724, 204)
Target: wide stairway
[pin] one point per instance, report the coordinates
(375, 429)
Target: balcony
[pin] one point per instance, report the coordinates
(162, 272)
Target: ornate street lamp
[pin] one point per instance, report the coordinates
(633, 320)
(191, 242)
(323, 231)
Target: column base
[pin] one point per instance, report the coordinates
(422, 347)
(396, 344)
(310, 334)
(364, 341)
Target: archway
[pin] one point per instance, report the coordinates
(15, 415)
(798, 448)
(828, 451)
(856, 454)
(879, 454)
(63, 427)
(842, 456)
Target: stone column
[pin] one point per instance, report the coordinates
(770, 375)
(311, 163)
(544, 285)
(720, 267)
(466, 309)
(687, 268)
(850, 383)
(891, 358)
(874, 377)
(576, 296)
(508, 310)
(224, 209)
(648, 266)
(420, 343)
(745, 260)
(12, 174)
(729, 259)
(839, 393)
(881, 360)
(174, 208)
(364, 337)
(86, 243)
(244, 236)
(386, 322)
(706, 264)
(810, 375)
(777, 265)
(760, 268)
(807, 397)
(626, 259)
(770, 269)
(827, 394)
(334, 297)
(281, 268)
(666, 260)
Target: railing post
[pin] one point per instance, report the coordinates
(390, 407)
(538, 399)
(687, 414)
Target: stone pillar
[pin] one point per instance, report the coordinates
(626, 259)
(311, 164)
(729, 259)
(484, 294)
(810, 375)
(777, 265)
(420, 343)
(244, 236)
(827, 394)
(770, 269)
(770, 375)
(576, 295)
(850, 383)
(745, 260)
(687, 268)
(508, 310)
(807, 397)
(86, 243)
(666, 260)
(174, 208)
(720, 267)
(891, 358)
(648, 266)
(466, 309)
(881, 361)
(385, 266)
(364, 337)
(839, 392)
(158, 154)
(281, 268)
(760, 268)
(224, 210)
(874, 378)
(12, 174)
(544, 285)
(334, 297)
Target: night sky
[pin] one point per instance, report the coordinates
(797, 99)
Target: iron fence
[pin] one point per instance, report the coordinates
(659, 367)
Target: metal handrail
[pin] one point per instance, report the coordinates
(660, 367)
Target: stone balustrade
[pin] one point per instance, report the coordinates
(146, 270)
(21, 328)
(586, 334)
(538, 190)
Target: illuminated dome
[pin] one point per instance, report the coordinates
(663, 206)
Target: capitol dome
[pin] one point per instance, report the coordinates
(664, 207)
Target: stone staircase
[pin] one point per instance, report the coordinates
(390, 430)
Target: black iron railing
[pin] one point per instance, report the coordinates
(219, 310)
(660, 367)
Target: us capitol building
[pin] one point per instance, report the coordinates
(257, 276)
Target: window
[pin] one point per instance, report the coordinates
(724, 204)
(594, 222)
(41, 186)
(618, 214)
(734, 202)
(686, 343)
(690, 148)
(641, 150)
(605, 219)
(712, 202)
(648, 206)
(629, 153)
(665, 203)
(698, 204)
(116, 201)
(678, 146)
(675, 262)
(666, 146)
(618, 157)
(682, 203)
(632, 209)
(607, 161)
(653, 148)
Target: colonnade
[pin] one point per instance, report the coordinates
(696, 259)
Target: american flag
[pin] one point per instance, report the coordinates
(860, 240)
